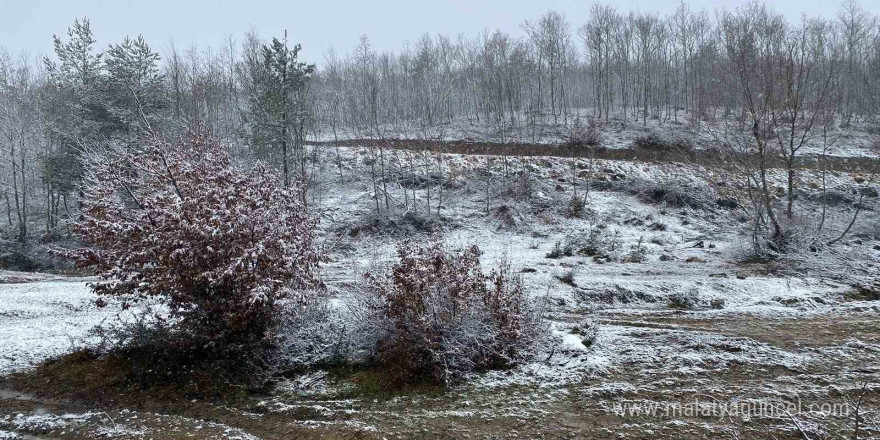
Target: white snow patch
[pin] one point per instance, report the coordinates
(42, 319)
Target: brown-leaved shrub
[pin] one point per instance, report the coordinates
(217, 247)
(441, 316)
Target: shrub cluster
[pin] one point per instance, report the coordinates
(588, 331)
(439, 316)
(672, 194)
(597, 243)
(576, 206)
(224, 264)
(582, 136)
(684, 300)
(656, 141)
(519, 186)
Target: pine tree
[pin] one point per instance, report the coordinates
(73, 105)
(78, 110)
(277, 114)
(134, 88)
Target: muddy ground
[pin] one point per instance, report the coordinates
(844, 352)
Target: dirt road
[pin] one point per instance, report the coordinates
(706, 157)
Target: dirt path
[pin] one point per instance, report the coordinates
(821, 364)
(705, 157)
(811, 362)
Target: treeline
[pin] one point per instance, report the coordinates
(57, 111)
(750, 64)
(639, 65)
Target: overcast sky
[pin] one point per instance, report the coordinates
(318, 24)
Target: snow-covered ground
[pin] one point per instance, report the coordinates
(43, 316)
(687, 318)
(857, 140)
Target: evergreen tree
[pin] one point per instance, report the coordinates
(77, 108)
(134, 89)
(73, 105)
(277, 113)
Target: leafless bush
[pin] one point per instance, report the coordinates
(567, 277)
(506, 217)
(560, 250)
(576, 206)
(669, 193)
(587, 330)
(686, 300)
(656, 141)
(582, 136)
(311, 333)
(598, 243)
(797, 237)
(405, 225)
(436, 316)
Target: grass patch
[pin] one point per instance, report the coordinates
(376, 384)
(371, 382)
(86, 377)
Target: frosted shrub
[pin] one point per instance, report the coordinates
(638, 253)
(670, 193)
(311, 333)
(582, 136)
(656, 141)
(560, 250)
(217, 246)
(519, 186)
(598, 243)
(576, 206)
(685, 300)
(439, 316)
(588, 330)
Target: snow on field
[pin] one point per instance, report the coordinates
(690, 260)
(43, 318)
(689, 309)
(856, 141)
(125, 424)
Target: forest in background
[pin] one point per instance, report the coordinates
(781, 82)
